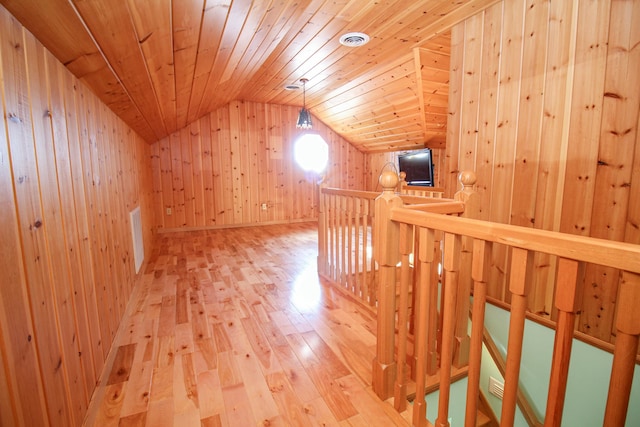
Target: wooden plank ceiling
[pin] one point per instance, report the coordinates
(161, 64)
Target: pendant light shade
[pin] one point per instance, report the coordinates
(304, 117)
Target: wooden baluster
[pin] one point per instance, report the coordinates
(332, 236)
(373, 275)
(350, 261)
(323, 229)
(452, 246)
(626, 348)
(413, 301)
(471, 201)
(387, 256)
(434, 334)
(367, 293)
(480, 266)
(422, 322)
(341, 279)
(569, 280)
(519, 285)
(400, 394)
(356, 267)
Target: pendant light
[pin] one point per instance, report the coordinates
(304, 117)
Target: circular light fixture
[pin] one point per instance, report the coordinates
(354, 39)
(292, 87)
(311, 152)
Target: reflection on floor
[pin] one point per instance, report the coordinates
(233, 328)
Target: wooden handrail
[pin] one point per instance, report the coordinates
(573, 253)
(406, 225)
(608, 253)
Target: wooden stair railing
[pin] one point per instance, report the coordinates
(345, 236)
(572, 251)
(389, 375)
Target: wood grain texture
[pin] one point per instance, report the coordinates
(219, 170)
(278, 348)
(71, 171)
(164, 65)
(545, 155)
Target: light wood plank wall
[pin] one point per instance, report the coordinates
(376, 162)
(544, 100)
(219, 170)
(70, 173)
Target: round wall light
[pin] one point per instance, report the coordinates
(311, 152)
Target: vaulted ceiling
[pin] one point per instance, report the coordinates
(161, 64)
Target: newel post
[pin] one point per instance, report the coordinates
(387, 254)
(401, 182)
(471, 201)
(468, 195)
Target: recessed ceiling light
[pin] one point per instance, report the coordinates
(292, 87)
(354, 39)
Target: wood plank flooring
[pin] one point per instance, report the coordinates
(233, 328)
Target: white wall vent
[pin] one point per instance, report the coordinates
(496, 387)
(135, 218)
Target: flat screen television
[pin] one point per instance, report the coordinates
(418, 166)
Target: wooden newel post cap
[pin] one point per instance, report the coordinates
(388, 180)
(467, 178)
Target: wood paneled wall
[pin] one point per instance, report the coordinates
(219, 170)
(70, 172)
(375, 162)
(544, 100)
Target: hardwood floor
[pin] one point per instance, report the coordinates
(233, 328)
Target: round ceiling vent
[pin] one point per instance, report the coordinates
(354, 39)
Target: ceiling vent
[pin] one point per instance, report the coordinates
(354, 39)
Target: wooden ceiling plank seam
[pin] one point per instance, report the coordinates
(275, 62)
(290, 16)
(69, 39)
(375, 111)
(212, 93)
(250, 31)
(130, 81)
(211, 31)
(330, 59)
(365, 84)
(418, 60)
(297, 53)
(447, 20)
(406, 128)
(152, 23)
(356, 66)
(186, 21)
(329, 24)
(369, 78)
(356, 59)
(79, 52)
(393, 96)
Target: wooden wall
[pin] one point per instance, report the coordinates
(375, 162)
(219, 170)
(544, 100)
(70, 173)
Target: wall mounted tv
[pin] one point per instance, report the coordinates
(418, 166)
